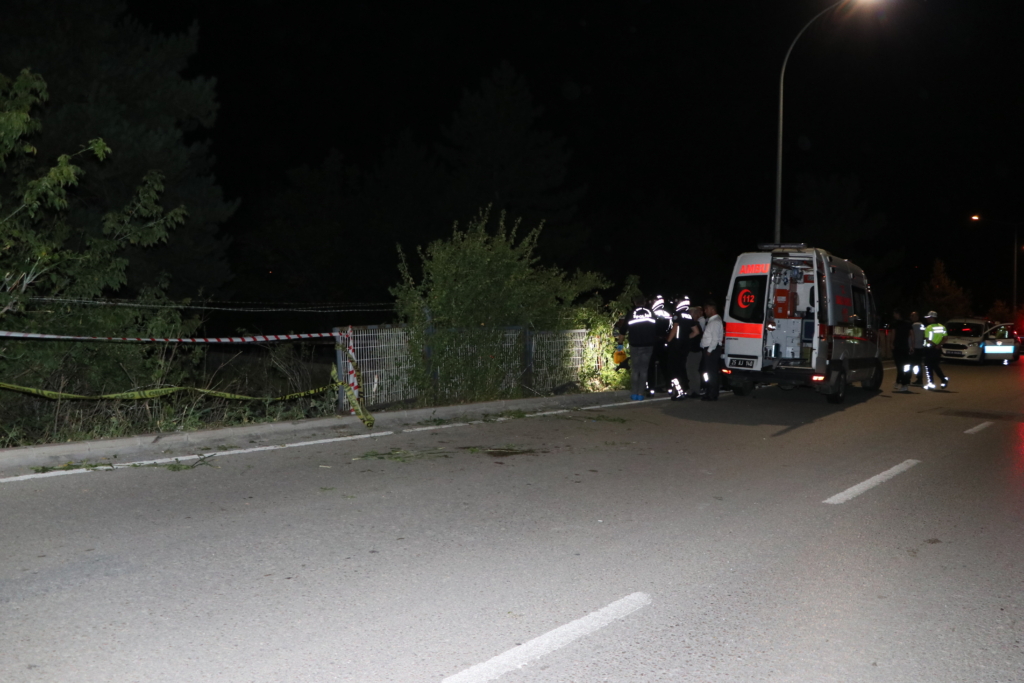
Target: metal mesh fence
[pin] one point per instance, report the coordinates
(519, 362)
(557, 358)
(383, 356)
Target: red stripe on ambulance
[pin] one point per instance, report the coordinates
(744, 330)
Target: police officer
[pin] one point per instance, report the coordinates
(641, 334)
(934, 333)
(684, 329)
(917, 355)
(659, 357)
(901, 352)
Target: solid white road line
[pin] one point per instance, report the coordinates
(106, 467)
(520, 656)
(874, 481)
(185, 458)
(428, 429)
(624, 403)
(975, 430)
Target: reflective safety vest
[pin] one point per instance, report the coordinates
(641, 316)
(935, 333)
(641, 327)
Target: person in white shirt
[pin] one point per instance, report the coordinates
(711, 351)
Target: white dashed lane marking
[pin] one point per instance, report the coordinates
(975, 430)
(532, 650)
(871, 483)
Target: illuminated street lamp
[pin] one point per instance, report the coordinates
(1016, 249)
(782, 78)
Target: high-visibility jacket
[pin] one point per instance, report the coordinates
(935, 333)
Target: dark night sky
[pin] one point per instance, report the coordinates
(922, 99)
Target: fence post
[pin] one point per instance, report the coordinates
(528, 357)
(341, 363)
(353, 381)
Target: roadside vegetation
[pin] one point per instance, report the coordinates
(49, 256)
(469, 289)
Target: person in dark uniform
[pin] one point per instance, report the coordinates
(917, 352)
(901, 352)
(684, 329)
(658, 370)
(642, 337)
(934, 334)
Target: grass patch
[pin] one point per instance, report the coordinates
(79, 465)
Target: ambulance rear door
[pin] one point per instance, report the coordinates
(744, 313)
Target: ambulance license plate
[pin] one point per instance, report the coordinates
(741, 363)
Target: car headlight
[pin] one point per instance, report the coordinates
(972, 345)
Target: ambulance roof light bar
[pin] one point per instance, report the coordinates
(781, 245)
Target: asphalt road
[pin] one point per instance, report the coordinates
(647, 542)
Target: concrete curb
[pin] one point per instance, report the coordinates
(172, 444)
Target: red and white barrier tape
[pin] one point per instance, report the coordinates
(299, 308)
(182, 340)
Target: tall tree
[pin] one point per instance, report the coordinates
(497, 157)
(943, 295)
(112, 77)
(43, 253)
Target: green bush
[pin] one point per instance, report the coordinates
(472, 288)
(599, 369)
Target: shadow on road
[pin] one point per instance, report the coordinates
(771, 405)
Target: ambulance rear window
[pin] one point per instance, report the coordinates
(747, 304)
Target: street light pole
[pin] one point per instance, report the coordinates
(778, 165)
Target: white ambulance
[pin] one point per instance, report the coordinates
(799, 316)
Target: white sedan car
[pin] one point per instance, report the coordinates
(978, 340)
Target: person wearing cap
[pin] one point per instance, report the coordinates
(640, 330)
(659, 352)
(684, 329)
(934, 333)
